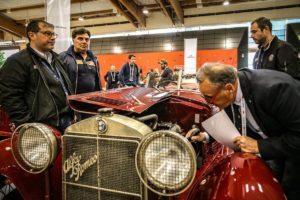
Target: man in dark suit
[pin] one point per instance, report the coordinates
(270, 101)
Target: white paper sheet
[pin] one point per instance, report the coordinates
(220, 127)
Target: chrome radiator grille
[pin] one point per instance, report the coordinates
(100, 168)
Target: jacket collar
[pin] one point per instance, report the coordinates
(71, 52)
(275, 38)
(54, 55)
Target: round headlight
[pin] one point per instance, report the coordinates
(34, 147)
(166, 162)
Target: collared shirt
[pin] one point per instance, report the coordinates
(252, 124)
(47, 56)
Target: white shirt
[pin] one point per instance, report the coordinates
(252, 124)
(47, 56)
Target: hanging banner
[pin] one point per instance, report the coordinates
(58, 13)
(190, 56)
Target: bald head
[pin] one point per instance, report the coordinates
(217, 73)
(112, 68)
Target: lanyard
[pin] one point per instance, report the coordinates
(243, 116)
(57, 75)
(113, 76)
(131, 72)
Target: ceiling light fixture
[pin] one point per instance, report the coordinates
(226, 3)
(145, 11)
(80, 18)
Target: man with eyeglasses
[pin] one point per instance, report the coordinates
(33, 84)
(272, 129)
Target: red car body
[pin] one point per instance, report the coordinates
(224, 174)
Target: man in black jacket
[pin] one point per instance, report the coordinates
(80, 63)
(33, 85)
(273, 53)
(166, 74)
(272, 114)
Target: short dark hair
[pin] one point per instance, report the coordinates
(262, 23)
(130, 56)
(80, 31)
(217, 73)
(33, 26)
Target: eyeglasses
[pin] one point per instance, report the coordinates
(49, 34)
(211, 99)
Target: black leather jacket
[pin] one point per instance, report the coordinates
(24, 91)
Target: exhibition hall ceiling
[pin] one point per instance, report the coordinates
(109, 16)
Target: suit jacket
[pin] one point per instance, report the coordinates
(111, 82)
(273, 98)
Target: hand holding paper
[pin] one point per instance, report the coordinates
(220, 127)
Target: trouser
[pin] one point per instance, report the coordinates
(65, 120)
(288, 174)
(291, 178)
(112, 86)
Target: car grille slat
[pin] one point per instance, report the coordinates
(111, 176)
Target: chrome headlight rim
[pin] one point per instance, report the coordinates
(18, 151)
(149, 181)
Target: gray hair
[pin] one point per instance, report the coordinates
(217, 73)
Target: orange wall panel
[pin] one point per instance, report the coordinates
(146, 61)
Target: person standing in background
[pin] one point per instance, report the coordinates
(112, 78)
(166, 74)
(152, 76)
(129, 73)
(273, 53)
(81, 64)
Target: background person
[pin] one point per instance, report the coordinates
(129, 73)
(166, 74)
(112, 78)
(273, 53)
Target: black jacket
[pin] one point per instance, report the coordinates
(273, 100)
(166, 77)
(280, 55)
(110, 83)
(24, 91)
(69, 60)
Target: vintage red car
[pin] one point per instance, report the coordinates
(132, 148)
